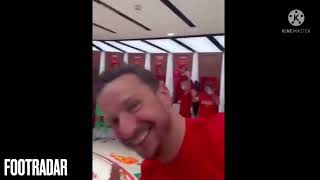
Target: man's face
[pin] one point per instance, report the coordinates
(138, 116)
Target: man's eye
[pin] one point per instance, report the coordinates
(134, 107)
(114, 121)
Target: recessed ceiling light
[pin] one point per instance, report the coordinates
(170, 34)
(138, 7)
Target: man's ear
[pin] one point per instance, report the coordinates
(164, 95)
(163, 90)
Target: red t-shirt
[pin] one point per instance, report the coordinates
(205, 110)
(201, 156)
(185, 104)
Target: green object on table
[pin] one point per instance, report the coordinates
(137, 175)
(98, 111)
(100, 124)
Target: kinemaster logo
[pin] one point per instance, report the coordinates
(296, 18)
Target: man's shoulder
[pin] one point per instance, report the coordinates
(212, 126)
(149, 164)
(210, 131)
(216, 119)
(149, 168)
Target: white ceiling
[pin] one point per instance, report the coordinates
(163, 45)
(206, 15)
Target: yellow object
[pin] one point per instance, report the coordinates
(124, 159)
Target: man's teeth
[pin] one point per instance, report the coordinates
(141, 137)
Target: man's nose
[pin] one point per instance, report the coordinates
(127, 126)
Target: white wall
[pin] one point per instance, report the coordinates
(102, 62)
(221, 105)
(125, 58)
(195, 67)
(169, 74)
(147, 64)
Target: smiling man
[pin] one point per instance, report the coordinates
(139, 110)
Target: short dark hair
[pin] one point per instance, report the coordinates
(145, 76)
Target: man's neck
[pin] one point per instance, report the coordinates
(174, 139)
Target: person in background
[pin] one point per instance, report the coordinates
(159, 72)
(185, 99)
(208, 102)
(179, 75)
(140, 112)
(195, 97)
